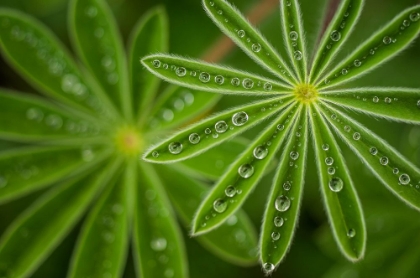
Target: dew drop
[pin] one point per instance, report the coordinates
(219, 79)
(240, 118)
(247, 83)
(275, 235)
(91, 11)
(34, 114)
(220, 12)
(194, 138)
(357, 63)
(175, 147)
(260, 152)
(268, 267)
(241, 33)
(287, 185)
(331, 170)
(334, 117)
(256, 47)
(204, 77)
(347, 128)
(230, 191)
(221, 127)
(335, 35)
(54, 121)
(404, 179)
(415, 16)
(235, 81)
(336, 184)
(351, 233)
(219, 205)
(181, 71)
(282, 203)
(406, 23)
(211, 3)
(325, 147)
(246, 170)
(280, 127)
(268, 86)
(207, 131)
(395, 171)
(372, 51)
(215, 135)
(329, 161)
(356, 136)
(158, 244)
(375, 99)
(288, 3)
(278, 221)
(294, 155)
(155, 154)
(344, 71)
(384, 160)
(297, 55)
(293, 35)
(373, 151)
(418, 103)
(387, 40)
(156, 63)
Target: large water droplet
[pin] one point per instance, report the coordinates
(278, 221)
(297, 55)
(260, 152)
(375, 99)
(325, 147)
(158, 244)
(219, 205)
(194, 138)
(175, 147)
(241, 33)
(256, 47)
(373, 151)
(387, 40)
(247, 83)
(384, 160)
(155, 154)
(351, 233)
(356, 136)
(336, 184)
(293, 35)
(181, 71)
(275, 235)
(404, 179)
(329, 161)
(221, 126)
(268, 86)
(246, 171)
(230, 191)
(415, 16)
(268, 267)
(280, 127)
(235, 81)
(331, 170)
(335, 36)
(294, 155)
(357, 63)
(156, 63)
(204, 77)
(219, 79)
(240, 118)
(282, 203)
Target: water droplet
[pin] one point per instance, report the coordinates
(235, 81)
(204, 77)
(326, 81)
(158, 244)
(268, 86)
(260, 152)
(240, 118)
(418, 103)
(335, 36)
(91, 11)
(168, 115)
(294, 155)
(87, 153)
(325, 147)
(230, 191)
(404, 179)
(219, 79)
(155, 154)
(278, 221)
(280, 127)
(375, 99)
(194, 138)
(351, 233)
(334, 116)
(207, 131)
(175, 147)
(384, 160)
(387, 40)
(347, 128)
(357, 63)
(373, 151)
(297, 55)
(156, 63)
(282, 203)
(329, 161)
(34, 114)
(246, 171)
(256, 47)
(181, 71)
(288, 3)
(247, 83)
(221, 126)
(220, 12)
(268, 267)
(220, 205)
(215, 135)
(169, 273)
(336, 184)
(287, 185)
(344, 71)
(275, 235)
(241, 33)
(415, 16)
(3, 182)
(406, 23)
(331, 170)
(293, 35)
(54, 121)
(395, 171)
(356, 136)
(388, 100)
(211, 3)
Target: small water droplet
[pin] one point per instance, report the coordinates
(181, 71)
(175, 147)
(287, 185)
(336, 184)
(240, 118)
(219, 79)
(406, 23)
(156, 63)
(325, 147)
(293, 36)
(34, 114)
(395, 171)
(351, 233)
(241, 33)
(268, 267)
(54, 121)
(221, 127)
(194, 138)
(268, 86)
(230, 191)
(247, 83)
(297, 55)
(288, 3)
(256, 47)
(384, 160)
(215, 135)
(387, 40)
(418, 103)
(347, 128)
(375, 99)
(356, 136)
(344, 71)
(155, 154)
(404, 179)
(204, 77)
(372, 51)
(357, 63)
(207, 131)
(331, 170)
(235, 81)
(278, 221)
(373, 151)
(415, 16)
(219, 205)
(260, 152)
(282, 203)
(294, 155)
(280, 127)
(335, 36)
(91, 11)
(158, 244)
(329, 161)
(334, 117)
(275, 235)
(246, 170)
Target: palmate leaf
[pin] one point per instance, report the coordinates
(380, 47)
(240, 178)
(396, 172)
(234, 241)
(213, 131)
(399, 104)
(24, 246)
(282, 211)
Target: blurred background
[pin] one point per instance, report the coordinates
(393, 228)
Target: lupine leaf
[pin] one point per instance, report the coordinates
(177, 106)
(149, 36)
(24, 245)
(159, 250)
(282, 211)
(102, 245)
(43, 61)
(380, 47)
(396, 172)
(341, 201)
(240, 178)
(98, 43)
(27, 118)
(399, 104)
(249, 39)
(295, 36)
(213, 131)
(338, 31)
(199, 75)
(235, 241)
(24, 170)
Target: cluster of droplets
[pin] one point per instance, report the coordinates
(294, 38)
(335, 183)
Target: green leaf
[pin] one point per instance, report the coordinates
(159, 247)
(43, 61)
(341, 201)
(213, 131)
(294, 36)
(380, 47)
(24, 170)
(177, 106)
(97, 41)
(398, 104)
(200, 75)
(338, 31)
(149, 36)
(282, 211)
(235, 241)
(24, 246)
(240, 178)
(399, 175)
(248, 38)
(35, 119)
(104, 235)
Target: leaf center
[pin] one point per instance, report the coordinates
(129, 141)
(306, 93)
